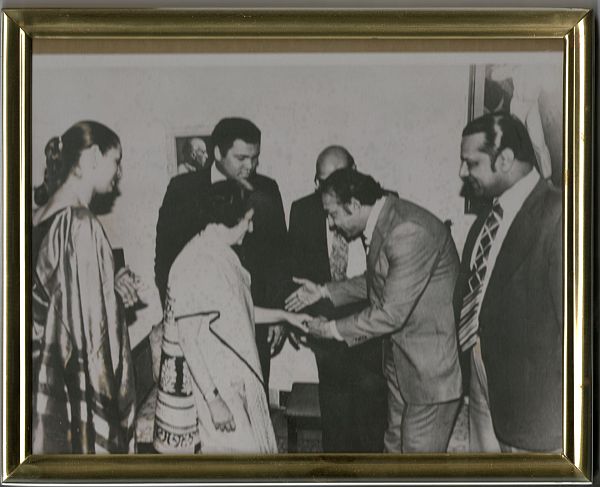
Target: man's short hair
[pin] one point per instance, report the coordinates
(349, 183)
(502, 130)
(228, 130)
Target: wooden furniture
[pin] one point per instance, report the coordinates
(302, 411)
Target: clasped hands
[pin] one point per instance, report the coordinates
(309, 293)
(129, 287)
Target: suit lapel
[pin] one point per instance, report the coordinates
(520, 237)
(320, 234)
(382, 227)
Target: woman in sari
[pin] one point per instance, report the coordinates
(83, 390)
(211, 395)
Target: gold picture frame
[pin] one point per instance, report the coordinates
(481, 29)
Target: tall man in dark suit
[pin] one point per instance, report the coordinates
(412, 266)
(352, 389)
(236, 143)
(509, 293)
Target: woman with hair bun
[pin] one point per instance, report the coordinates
(83, 384)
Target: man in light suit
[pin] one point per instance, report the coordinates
(412, 267)
(352, 389)
(509, 292)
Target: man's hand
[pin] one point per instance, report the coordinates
(276, 338)
(297, 340)
(308, 293)
(319, 328)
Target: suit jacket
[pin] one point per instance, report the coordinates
(310, 259)
(520, 323)
(412, 267)
(263, 252)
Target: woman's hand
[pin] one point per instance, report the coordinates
(126, 288)
(298, 320)
(221, 414)
(129, 287)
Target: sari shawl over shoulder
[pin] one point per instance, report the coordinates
(208, 283)
(83, 381)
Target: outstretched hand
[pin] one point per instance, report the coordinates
(308, 293)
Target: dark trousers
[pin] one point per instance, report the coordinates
(352, 395)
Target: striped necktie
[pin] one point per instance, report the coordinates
(338, 257)
(469, 316)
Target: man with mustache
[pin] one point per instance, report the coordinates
(509, 292)
(412, 266)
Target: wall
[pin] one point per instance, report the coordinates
(400, 115)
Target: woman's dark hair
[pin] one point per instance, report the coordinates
(63, 153)
(225, 204)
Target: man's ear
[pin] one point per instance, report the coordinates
(505, 159)
(218, 155)
(355, 205)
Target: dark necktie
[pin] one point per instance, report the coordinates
(469, 320)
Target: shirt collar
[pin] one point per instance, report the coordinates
(372, 220)
(215, 174)
(514, 197)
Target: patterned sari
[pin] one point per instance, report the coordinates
(209, 313)
(83, 382)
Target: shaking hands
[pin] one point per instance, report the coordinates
(309, 293)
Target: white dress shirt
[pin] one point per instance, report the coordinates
(511, 202)
(215, 174)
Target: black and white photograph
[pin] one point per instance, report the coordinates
(260, 253)
(193, 153)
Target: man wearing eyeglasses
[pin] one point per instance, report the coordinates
(352, 390)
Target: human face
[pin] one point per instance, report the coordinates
(344, 218)
(240, 161)
(199, 154)
(107, 171)
(476, 167)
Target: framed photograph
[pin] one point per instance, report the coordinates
(191, 151)
(297, 246)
